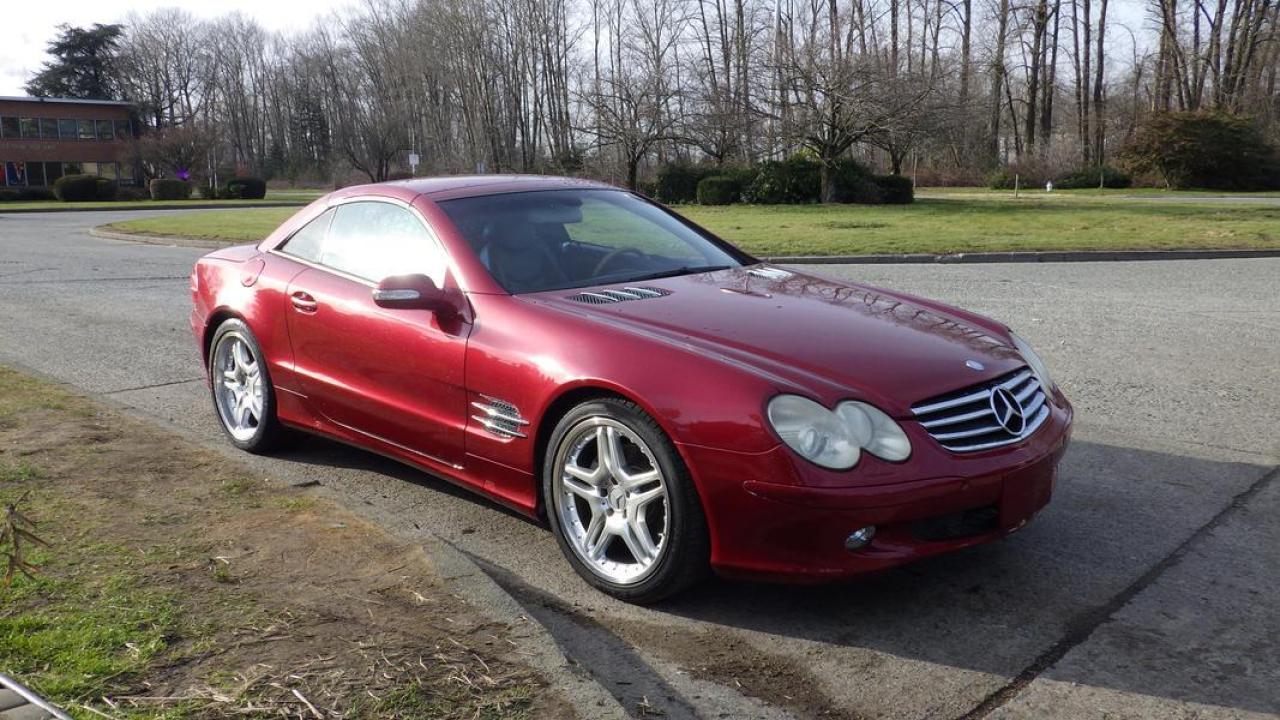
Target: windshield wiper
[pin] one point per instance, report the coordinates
(682, 270)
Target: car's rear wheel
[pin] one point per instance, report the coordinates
(242, 392)
(621, 503)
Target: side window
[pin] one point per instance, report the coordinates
(375, 240)
(306, 242)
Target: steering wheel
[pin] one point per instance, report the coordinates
(614, 255)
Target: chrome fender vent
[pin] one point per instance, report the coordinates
(499, 417)
(614, 295)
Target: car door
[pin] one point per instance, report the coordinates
(393, 374)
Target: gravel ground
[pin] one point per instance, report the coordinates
(1146, 589)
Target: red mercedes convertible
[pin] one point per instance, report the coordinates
(668, 403)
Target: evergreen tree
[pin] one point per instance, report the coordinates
(84, 64)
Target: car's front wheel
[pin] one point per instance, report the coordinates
(242, 392)
(621, 503)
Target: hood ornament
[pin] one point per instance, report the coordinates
(975, 365)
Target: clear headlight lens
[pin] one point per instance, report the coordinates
(1033, 361)
(836, 440)
(874, 431)
(814, 431)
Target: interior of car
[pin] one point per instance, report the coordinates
(543, 240)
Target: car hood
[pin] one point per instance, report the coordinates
(831, 339)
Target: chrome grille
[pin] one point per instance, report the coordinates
(613, 295)
(499, 417)
(966, 420)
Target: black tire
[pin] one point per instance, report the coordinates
(270, 434)
(684, 559)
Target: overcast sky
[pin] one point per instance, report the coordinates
(28, 26)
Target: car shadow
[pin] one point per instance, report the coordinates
(319, 451)
(1122, 520)
(1001, 608)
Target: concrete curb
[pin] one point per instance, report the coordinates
(535, 642)
(1037, 256)
(140, 206)
(169, 240)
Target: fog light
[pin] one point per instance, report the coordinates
(860, 538)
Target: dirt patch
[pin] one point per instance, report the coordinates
(178, 585)
(734, 663)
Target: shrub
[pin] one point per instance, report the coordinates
(131, 194)
(895, 189)
(1089, 177)
(852, 183)
(1003, 179)
(247, 188)
(27, 194)
(796, 180)
(9, 195)
(169, 189)
(208, 192)
(1206, 150)
(76, 188)
(647, 188)
(399, 175)
(719, 190)
(678, 182)
(105, 189)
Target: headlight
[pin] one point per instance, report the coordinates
(836, 440)
(874, 431)
(1033, 361)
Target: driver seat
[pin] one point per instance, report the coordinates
(519, 259)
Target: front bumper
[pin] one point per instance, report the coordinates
(769, 521)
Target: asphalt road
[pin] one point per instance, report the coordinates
(1148, 588)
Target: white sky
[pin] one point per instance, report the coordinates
(28, 26)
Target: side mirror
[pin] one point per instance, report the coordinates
(414, 292)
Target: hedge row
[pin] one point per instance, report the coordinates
(1088, 177)
(82, 188)
(798, 181)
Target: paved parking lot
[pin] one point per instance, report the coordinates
(1147, 589)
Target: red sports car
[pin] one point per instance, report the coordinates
(667, 402)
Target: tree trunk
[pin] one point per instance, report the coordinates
(1099, 94)
(997, 85)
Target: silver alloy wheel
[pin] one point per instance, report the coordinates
(237, 386)
(611, 500)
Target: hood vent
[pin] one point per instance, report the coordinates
(615, 295)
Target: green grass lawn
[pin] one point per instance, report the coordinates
(949, 222)
(299, 197)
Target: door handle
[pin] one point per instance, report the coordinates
(303, 302)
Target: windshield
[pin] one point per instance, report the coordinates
(558, 239)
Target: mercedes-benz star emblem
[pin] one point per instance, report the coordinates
(974, 365)
(1008, 411)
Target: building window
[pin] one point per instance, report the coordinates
(15, 173)
(66, 129)
(35, 174)
(86, 129)
(72, 169)
(49, 128)
(30, 128)
(104, 130)
(90, 168)
(9, 128)
(108, 171)
(52, 171)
